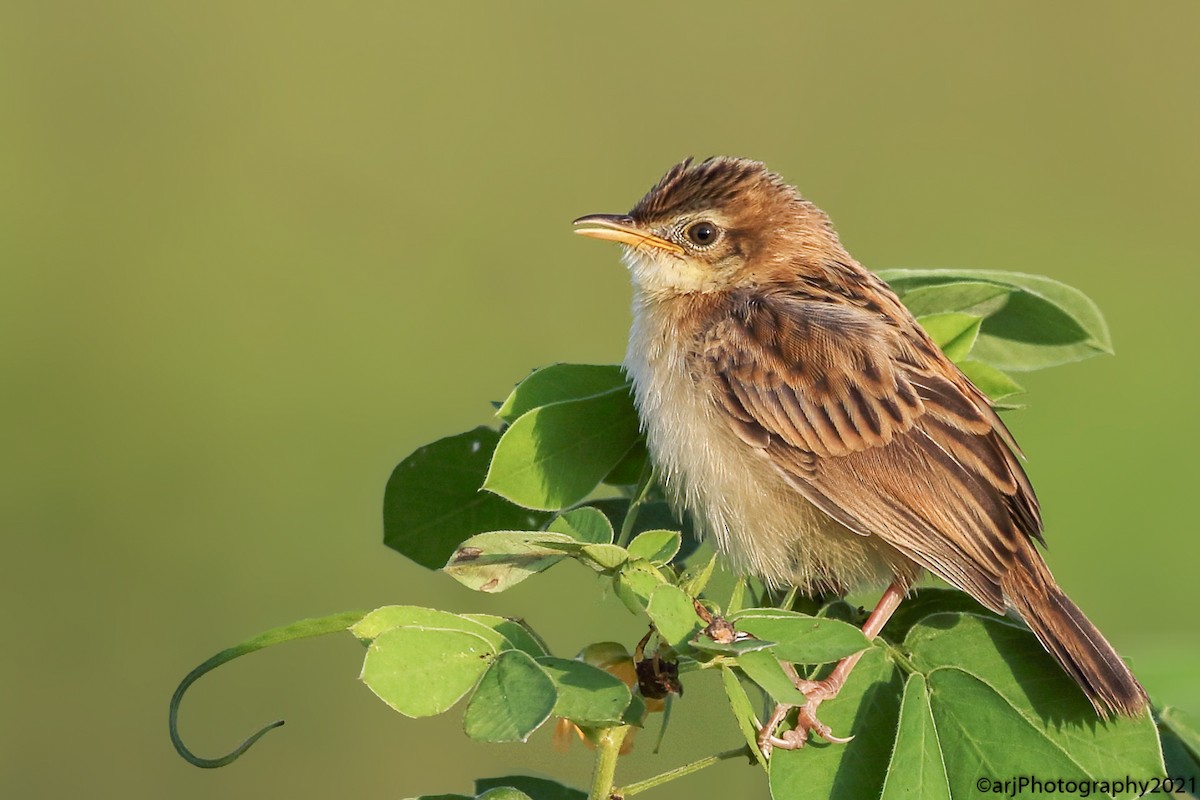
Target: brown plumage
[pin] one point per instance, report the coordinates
(795, 407)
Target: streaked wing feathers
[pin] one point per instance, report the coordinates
(875, 427)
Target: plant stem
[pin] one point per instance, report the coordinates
(679, 772)
(691, 665)
(608, 749)
(303, 629)
(645, 481)
(900, 657)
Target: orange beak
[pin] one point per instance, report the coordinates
(615, 228)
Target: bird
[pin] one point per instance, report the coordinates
(816, 434)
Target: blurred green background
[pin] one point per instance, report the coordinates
(251, 255)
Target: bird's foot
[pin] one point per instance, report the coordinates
(806, 721)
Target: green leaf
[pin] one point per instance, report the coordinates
(628, 470)
(635, 582)
(965, 297)
(588, 525)
(559, 382)
(603, 557)
(1031, 318)
(841, 610)
(1183, 727)
(1003, 653)
(384, 619)
(695, 578)
(762, 667)
(656, 515)
(442, 797)
(658, 547)
(916, 771)
(734, 648)
(516, 633)
(925, 602)
(432, 501)
(503, 793)
(495, 561)
(536, 788)
(743, 712)
(587, 695)
(554, 456)
(867, 708)
(673, 614)
(984, 736)
(421, 672)
(800, 638)
(953, 332)
(737, 596)
(1041, 323)
(989, 380)
(607, 655)
(1180, 745)
(514, 697)
(636, 713)
(1008, 662)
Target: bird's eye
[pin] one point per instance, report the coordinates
(702, 233)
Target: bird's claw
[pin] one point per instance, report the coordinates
(807, 721)
(794, 739)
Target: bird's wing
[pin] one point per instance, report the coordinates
(869, 421)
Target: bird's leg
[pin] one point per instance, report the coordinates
(819, 691)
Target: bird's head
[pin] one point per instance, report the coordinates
(715, 226)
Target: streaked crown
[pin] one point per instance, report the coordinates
(719, 183)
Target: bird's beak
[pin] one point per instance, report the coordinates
(616, 228)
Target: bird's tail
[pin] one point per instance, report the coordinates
(1071, 638)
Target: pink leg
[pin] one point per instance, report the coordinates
(827, 689)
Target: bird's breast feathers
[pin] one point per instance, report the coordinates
(736, 496)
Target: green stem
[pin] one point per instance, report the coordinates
(645, 481)
(297, 630)
(900, 657)
(679, 772)
(687, 665)
(608, 749)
